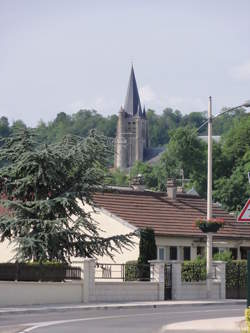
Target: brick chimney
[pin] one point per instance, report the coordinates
(171, 188)
(138, 183)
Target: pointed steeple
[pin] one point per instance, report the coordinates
(132, 103)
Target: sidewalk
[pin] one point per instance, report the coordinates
(218, 325)
(102, 306)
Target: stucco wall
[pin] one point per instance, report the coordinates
(126, 291)
(6, 251)
(28, 293)
(198, 290)
(112, 225)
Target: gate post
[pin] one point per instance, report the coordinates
(248, 279)
(157, 275)
(220, 267)
(89, 280)
(176, 280)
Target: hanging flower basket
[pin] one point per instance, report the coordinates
(212, 225)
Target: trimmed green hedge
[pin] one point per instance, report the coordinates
(236, 274)
(193, 271)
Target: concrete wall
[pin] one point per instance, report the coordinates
(126, 291)
(28, 293)
(197, 290)
(6, 251)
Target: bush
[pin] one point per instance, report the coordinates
(135, 271)
(194, 271)
(33, 271)
(223, 256)
(130, 270)
(236, 274)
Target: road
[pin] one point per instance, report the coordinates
(139, 320)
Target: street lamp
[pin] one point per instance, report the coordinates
(209, 187)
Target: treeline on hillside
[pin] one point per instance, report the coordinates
(187, 154)
(81, 122)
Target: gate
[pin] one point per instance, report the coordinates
(236, 280)
(168, 282)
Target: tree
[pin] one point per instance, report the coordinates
(147, 251)
(147, 246)
(184, 151)
(44, 191)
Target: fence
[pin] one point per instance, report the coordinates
(38, 272)
(123, 272)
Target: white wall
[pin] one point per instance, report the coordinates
(126, 291)
(113, 225)
(198, 290)
(6, 251)
(28, 293)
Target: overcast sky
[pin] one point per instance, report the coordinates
(58, 55)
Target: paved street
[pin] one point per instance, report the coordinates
(138, 320)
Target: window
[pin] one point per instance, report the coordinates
(161, 253)
(215, 250)
(234, 251)
(201, 251)
(186, 253)
(173, 253)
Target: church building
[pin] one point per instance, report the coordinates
(132, 129)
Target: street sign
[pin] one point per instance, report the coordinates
(245, 213)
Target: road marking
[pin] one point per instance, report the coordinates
(38, 325)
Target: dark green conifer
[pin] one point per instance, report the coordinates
(44, 191)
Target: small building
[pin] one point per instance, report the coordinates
(172, 215)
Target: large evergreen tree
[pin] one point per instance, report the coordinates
(44, 190)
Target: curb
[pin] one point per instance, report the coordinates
(71, 308)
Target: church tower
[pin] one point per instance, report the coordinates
(132, 129)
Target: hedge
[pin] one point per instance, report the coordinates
(236, 274)
(193, 271)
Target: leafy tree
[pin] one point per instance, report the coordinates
(117, 177)
(233, 192)
(185, 151)
(44, 192)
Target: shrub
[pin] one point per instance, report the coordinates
(223, 256)
(194, 271)
(131, 270)
(236, 274)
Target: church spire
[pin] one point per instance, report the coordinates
(132, 103)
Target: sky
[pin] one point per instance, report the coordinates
(58, 55)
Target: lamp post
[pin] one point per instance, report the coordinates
(209, 187)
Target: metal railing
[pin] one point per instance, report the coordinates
(123, 272)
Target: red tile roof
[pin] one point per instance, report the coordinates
(166, 216)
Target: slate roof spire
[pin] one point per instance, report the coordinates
(132, 103)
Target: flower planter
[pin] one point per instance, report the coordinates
(209, 227)
(212, 225)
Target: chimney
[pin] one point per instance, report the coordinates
(180, 189)
(138, 183)
(171, 188)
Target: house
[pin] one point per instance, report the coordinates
(172, 216)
